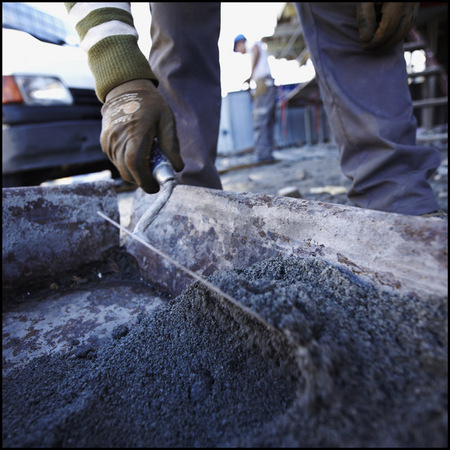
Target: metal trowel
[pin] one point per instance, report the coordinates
(164, 174)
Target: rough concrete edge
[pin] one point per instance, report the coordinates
(52, 229)
(208, 230)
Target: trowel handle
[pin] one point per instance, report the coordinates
(164, 174)
(162, 170)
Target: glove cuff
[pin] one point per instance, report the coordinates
(103, 58)
(129, 86)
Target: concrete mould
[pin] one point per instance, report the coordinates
(208, 230)
(49, 230)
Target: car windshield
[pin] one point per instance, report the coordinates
(43, 26)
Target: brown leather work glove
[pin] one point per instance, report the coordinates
(382, 25)
(134, 114)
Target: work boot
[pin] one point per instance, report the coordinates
(439, 213)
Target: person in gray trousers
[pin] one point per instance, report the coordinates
(362, 77)
(185, 58)
(357, 52)
(363, 86)
(264, 98)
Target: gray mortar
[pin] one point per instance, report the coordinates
(353, 367)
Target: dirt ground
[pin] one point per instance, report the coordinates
(311, 172)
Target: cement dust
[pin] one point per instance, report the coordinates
(353, 366)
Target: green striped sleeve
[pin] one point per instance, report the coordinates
(108, 35)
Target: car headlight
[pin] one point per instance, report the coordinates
(35, 90)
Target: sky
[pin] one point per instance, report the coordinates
(253, 20)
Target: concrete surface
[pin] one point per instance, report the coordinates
(49, 230)
(59, 320)
(209, 230)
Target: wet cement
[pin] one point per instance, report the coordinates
(353, 367)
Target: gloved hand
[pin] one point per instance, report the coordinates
(134, 114)
(382, 25)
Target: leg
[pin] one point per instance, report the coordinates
(369, 108)
(185, 58)
(263, 123)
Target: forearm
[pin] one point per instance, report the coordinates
(255, 59)
(108, 35)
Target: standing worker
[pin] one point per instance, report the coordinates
(357, 52)
(264, 98)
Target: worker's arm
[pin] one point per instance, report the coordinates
(261, 87)
(382, 25)
(134, 113)
(255, 58)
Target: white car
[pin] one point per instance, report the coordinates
(51, 115)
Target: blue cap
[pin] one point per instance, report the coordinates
(239, 37)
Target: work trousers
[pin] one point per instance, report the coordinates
(263, 123)
(185, 58)
(369, 109)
